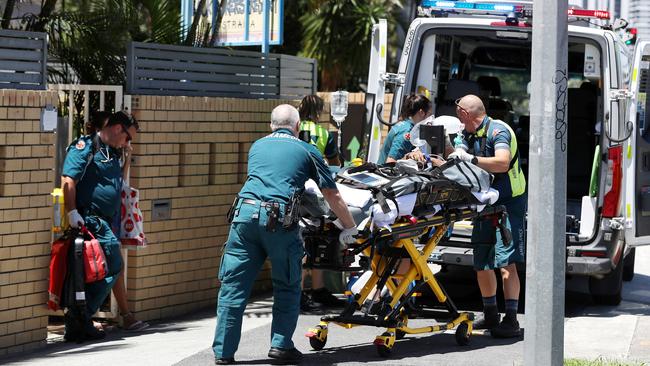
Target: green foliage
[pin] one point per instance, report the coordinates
(89, 38)
(337, 33)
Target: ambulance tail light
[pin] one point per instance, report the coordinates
(586, 13)
(613, 181)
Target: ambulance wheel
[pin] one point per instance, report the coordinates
(607, 290)
(383, 351)
(462, 334)
(628, 266)
(316, 343)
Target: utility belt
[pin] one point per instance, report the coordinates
(286, 214)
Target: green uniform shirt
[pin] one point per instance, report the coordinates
(499, 136)
(99, 181)
(398, 142)
(321, 138)
(280, 164)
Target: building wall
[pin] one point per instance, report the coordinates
(191, 151)
(26, 180)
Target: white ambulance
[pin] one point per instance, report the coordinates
(455, 48)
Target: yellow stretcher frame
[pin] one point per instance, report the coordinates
(403, 233)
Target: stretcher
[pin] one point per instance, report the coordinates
(387, 299)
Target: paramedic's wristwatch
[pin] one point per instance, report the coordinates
(475, 160)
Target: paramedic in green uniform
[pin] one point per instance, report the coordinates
(491, 144)
(92, 182)
(278, 167)
(398, 141)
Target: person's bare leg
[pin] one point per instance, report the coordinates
(317, 279)
(487, 282)
(511, 284)
(119, 291)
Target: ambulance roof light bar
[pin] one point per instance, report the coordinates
(440, 7)
(520, 10)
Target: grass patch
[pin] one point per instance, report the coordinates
(601, 362)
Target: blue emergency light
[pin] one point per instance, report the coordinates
(461, 5)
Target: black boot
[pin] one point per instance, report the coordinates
(508, 328)
(285, 356)
(325, 298)
(74, 326)
(224, 361)
(490, 319)
(307, 305)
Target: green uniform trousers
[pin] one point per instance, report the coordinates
(247, 247)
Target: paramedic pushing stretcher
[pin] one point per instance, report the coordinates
(92, 182)
(278, 167)
(491, 144)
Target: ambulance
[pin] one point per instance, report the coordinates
(455, 48)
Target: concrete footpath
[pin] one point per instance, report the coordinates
(615, 333)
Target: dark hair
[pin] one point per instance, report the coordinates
(413, 103)
(310, 108)
(124, 119)
(97, 121)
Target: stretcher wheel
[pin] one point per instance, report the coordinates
(383, 351)
(385, 343)
(316, 343)
(462, 334)
(317, 337)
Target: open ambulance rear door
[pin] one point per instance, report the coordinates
(637, 153)
(376, 91)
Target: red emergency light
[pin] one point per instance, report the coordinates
(585, 13)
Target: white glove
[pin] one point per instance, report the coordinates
(461, 154)
(347, 236)
(75, 219)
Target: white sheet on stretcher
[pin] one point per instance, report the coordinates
(406, 204)
(354, 197)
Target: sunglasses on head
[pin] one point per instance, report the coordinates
(457, 102)
(126, 131)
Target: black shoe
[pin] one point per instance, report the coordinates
(489, 320)
(91, 333)
(306, 304)
(324, 297)
(285, 356)
(508, 328)
(224, 361)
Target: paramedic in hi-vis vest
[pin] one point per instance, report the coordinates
(310, 110)
(92, 182)
(491, 144)
(264, 225)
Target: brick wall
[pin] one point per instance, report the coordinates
(192, 151)
(26, 180)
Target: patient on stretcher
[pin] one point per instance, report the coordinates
(403, 191)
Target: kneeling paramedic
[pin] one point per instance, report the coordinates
(264, 224)
(92, 182)
(494, 146)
